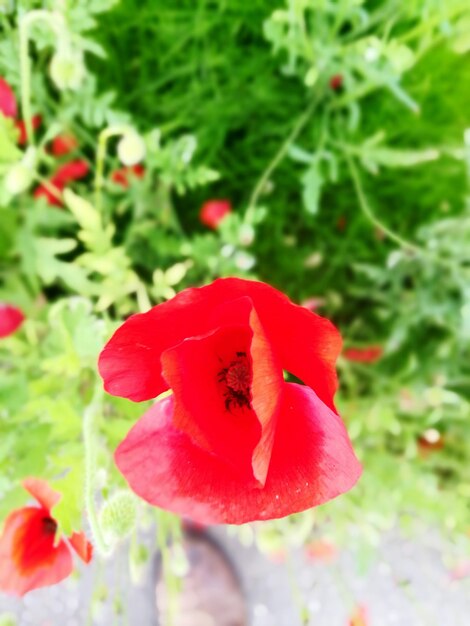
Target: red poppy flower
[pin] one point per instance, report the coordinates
(336, 82)
(234, 442)
(11, 319)
(73, 170)
(63, 144)
(321, 550)
(7, 100)
(370, 354)
(124, 174)
(213, 212)
(30, 555)
(36, 122)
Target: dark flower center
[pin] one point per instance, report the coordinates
(236, 379)
(49, 526)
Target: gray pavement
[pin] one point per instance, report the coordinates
(407, 584)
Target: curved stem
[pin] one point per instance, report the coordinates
(281, 153)
(90, 470)
(104, 136)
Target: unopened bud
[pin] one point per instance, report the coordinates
(131, 149)
(118, 516)
(67, 70)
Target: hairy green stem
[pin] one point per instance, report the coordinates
(90, 471)
(281, 153)
(104, 136)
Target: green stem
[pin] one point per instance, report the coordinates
(366, 209)
(104, 136)
(25, 62)
(281, 153)
(25, 74)
(90, 471)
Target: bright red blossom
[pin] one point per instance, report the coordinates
(124, 175)
(63, 144)
(234, 442)
(68, 172)
(11, 319)
(336, 82)
(369, 354)
(213, 212)
(30, 555)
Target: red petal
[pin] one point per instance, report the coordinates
(122, 175)
(28, 557)
(369, 354)
(74, 170)
(205, 409)
(82, 547)
(7, 100)
(40, 490)
(53, 199)
(213, 212)
(312, 461)
(11, 319)
(306, 344)
(63, 144)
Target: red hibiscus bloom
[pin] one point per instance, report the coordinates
(63, 144)
(7, 100)
(370, 354)
(234, 442)
(30, 555)
(11, 319)
(213, 212)
(73, 170)
(124, 174)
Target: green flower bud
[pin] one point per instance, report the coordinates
(67, 70)
(131, 149)
(118, 516)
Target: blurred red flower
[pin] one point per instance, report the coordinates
(30, 554)
(9, 108)
(234, 442)
(7, 100)
(124, 174)
(63, 144)
(68, 172)
(213, 212)
(336, 82)
(11, 319)
(369, 354)
(321, 550)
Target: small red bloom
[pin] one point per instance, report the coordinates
(11, 319)
(63, 144)
(123, 175)
(73, 170)
(30, 555)
(213, 212)
(336, 82)
(7, 100)
(234, 442)
(36, 122)
(369, 354)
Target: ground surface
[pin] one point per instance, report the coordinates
(407, 585)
